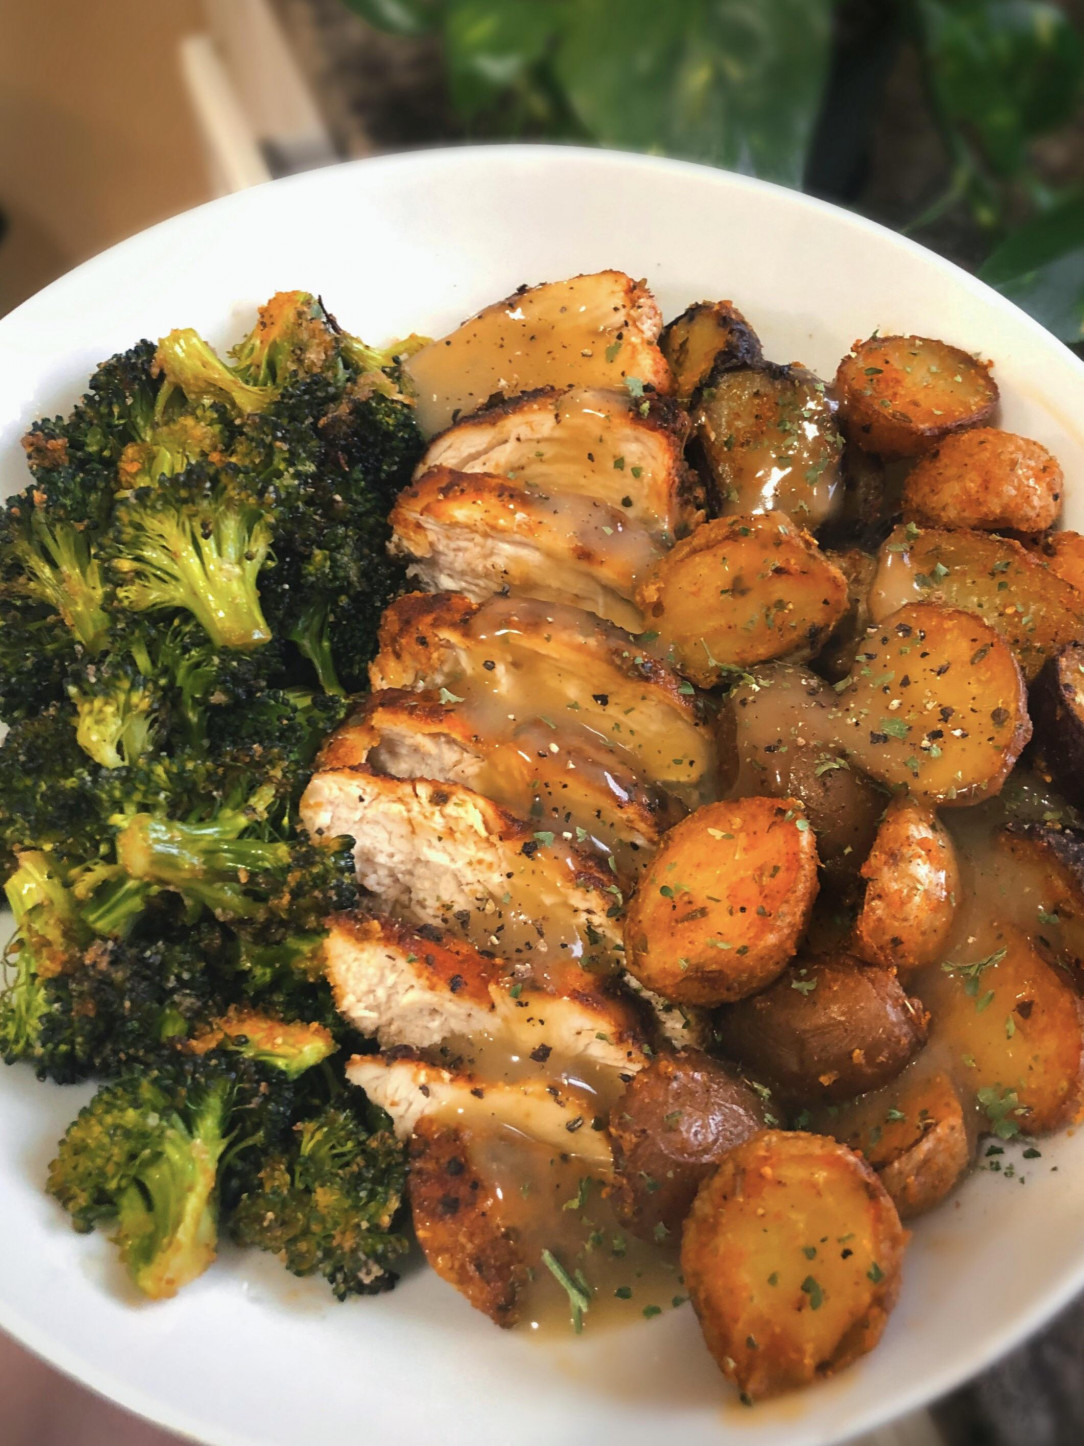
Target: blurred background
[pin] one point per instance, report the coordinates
(959, 122)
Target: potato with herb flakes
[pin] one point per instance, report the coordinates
(986, 479)
(1014, 1027)
(937, 705)
(829, 1028)
(708, 337)
(742, 590)
(675, 1121)
(913, 883)
(1063, 553)
(768, 436)
(914, 1133)
(1047, 870)
(899, 396)
(1035, 611)
(723, 904)
(792, 1256)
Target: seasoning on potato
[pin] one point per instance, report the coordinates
(722, 906)
(912, 889)
(742, 590)
(900, 395)
(674, 1123)
(987, 479)
(829, 1028)
(708, 337)
(792, 1256)
(937, 705)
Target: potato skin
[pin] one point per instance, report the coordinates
(1057, 711)
(742, 590)
(914, 883)
(900, 395)
(837, 657)
(988, 479)
(721, 908)
(708, 338)
(792, 1255)
(1063, 553)
(670, 1128)
(1054, 859)
(828, 1029)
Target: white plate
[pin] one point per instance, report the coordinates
(248, 1356)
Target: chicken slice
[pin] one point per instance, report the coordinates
(512, 660)
(465, 1223)
(596, 330)
(626, 452)
(562, 781)
(427, 989)
(443, 855)
(475, 534)
(561, 1116)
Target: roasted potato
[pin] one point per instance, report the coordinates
(836, 658)
(1057, 711)
(985, 478)
(865, 506)
(723, 903)
(460, 1222)
(937, 706)
(1034, 611)
(792, 1257)
(1063, 553)
(671, 1127)
(709, 336)
(742, 590)
(1046, 875)
(900, 396)
(828, 1029)
(914, 1133)
(770, 442)
(1014, 1028)
(912, 889)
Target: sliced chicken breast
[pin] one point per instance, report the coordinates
(476, 534)
(596, 330)
(410, 1090)
(429, 990)
(443, 855)
(562, 781)
(510, 661)
(627, 452)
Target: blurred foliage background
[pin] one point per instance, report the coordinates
(960, 122)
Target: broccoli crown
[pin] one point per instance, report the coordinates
(49, 557)
(292, 1046)
(49, 794)
(37, 654)
(120, 708)
(144, 1153)
(327, 1203)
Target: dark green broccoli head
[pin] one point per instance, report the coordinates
(37, 654)
(330, 1203)
(51, 559)
(49, 791)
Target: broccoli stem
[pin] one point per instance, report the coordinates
(310, 633)
(65, 576)
(189, 363)
(204, 862)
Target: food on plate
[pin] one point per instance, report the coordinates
(830, 1028)
(646, 893)
(916, 1132)
(675, 1121)
(619, 447)
(988, 479)
(912, 884)
(995, 577)
(708, 337)
(770, 442)
(792, 1256)
(723, 904)
(599, 330)
(899, 396)
(741, 590)
(1057, 710)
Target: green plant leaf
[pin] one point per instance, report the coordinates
(491, 45)
(1004, 71)
(736, 83)
(401, 17)
(1041, 268)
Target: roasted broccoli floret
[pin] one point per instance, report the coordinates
(293, 337)
(37, 654)
(144, 1154)
(48, 556)
(197, 545)
(328, 1204)
(120, 706)
(49, 793)
(292, 1046)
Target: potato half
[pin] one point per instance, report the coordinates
(912, 889)
(985, 478)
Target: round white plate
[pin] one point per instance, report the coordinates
(248, 1356)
